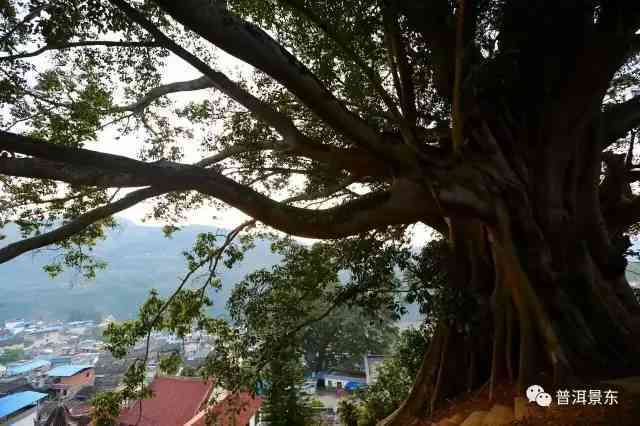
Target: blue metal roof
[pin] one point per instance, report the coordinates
(17, 401)
(25, 367)
(334, 375)
(67, 370)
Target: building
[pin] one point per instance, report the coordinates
(28, 368)
(20, 409)
(9, 385)
(175, 401)
(371, 365)
(182, 401)
(67, 380)
(238, 409)
(67, 413)
(339, 380)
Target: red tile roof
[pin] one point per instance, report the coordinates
(175, 401)
(234, 410)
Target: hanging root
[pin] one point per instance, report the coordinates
(532, 319)
(443, 359)
(508, 353)
(497, 359)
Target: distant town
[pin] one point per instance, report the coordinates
(52, 369)
(47, 365)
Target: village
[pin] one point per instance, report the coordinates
(63, 365)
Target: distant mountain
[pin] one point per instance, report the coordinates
(139, 258)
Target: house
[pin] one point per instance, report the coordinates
(184, 401)
(340, 380)
(67, 380)
(20, 409)
(237, 409)
(371, 365)
(9, 385)
(68, 413)
(27, 368)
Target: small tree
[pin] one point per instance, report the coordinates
(395, 377)
(11, 355)
(284, 403)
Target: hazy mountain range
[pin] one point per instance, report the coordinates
(139, 258)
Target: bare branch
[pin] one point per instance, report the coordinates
(78, 224)
(157, 92)
(71, 45)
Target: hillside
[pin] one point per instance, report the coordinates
(139, 258)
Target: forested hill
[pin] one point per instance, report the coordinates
(139, 258)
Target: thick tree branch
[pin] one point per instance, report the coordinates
(299, 7)
(86, 167)
(252, 45)
(360, 162)
(75, 226)
(157, 92)
(71, 45)
(431, 19)
(399, 62)
(619, 119)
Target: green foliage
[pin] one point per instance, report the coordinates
(188, 371)
(11, 355)
(170, 364)
(284, 404)
(429, 286)
(348, 411)
(106, 408)
(395, 378)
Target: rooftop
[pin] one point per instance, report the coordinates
(67, 370)
(235, 409)
(17, 401)
(175, 401)
(25, 367)
(341, 375)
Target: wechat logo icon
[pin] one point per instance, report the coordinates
(536, 393)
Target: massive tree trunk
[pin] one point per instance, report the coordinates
(548, 270)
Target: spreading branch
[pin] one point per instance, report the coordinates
(71, 45)
(160, 91)
(86, 167)
(360, 162)
(75, 226)
(401, 68)
(254, 46)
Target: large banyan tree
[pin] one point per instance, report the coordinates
(507, 126)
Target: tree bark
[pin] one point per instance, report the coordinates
(581, 325)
